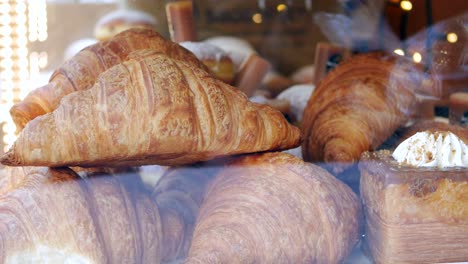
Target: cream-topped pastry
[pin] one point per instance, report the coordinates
(432, 149)
(417, 196)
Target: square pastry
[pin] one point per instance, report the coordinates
(416, 200)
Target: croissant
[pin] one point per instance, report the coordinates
(179, 195)
(53, 216)
(82, 70)
(275, 208)
(356, 107)
(151, 109)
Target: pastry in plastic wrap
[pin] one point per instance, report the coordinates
(238, 49)
(81, 71)
(151, 109)
(76, 46)
(298, 96)
(357, 106)
(415, 200)
(304, 75)
(274, 208)
(275, 83)
(121, 20)
(216, 59)
(54, 216)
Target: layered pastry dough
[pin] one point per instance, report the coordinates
(81, 71)
(151, 109)
(357, 106)
(275, 208)
(54, 216)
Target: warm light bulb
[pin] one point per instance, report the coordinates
(257, 18)
(399, 52)
(417, 57)
(406, 5)
(452, 37)
(281, 7)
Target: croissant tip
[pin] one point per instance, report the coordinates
(19, 116)
(9, 159)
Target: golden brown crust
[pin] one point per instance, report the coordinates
(179, 195)
(48, 215)
(356, 107)
(81, 72)
(274, 208)
(151, 109)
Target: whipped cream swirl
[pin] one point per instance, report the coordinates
(432, 149)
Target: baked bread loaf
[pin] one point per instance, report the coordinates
(81, 71)
(151, 109)
(274, 208)
(357, 106)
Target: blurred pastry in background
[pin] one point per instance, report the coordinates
(216, 59)
(120, 20)
(304, 74)
(275, 82)
(77, 46)
(251, 67)
(279, 104)
(297, 96)
(238, 48)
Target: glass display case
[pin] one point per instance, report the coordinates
(200, 131)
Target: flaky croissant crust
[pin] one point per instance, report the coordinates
(151, 109)
(356, 107)
(275, 208)
(81, 71)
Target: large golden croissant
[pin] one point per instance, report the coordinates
(53, 216)
(151, 109)
(81, 71)
(275, 208)
(179, 194)
(357, 106)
